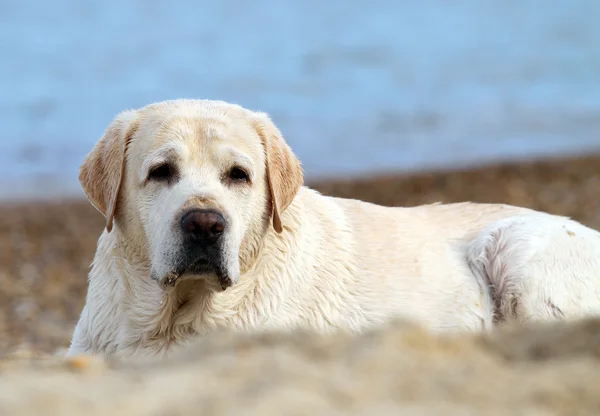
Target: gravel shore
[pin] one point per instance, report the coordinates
(46, 248)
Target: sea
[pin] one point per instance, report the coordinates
(358, 87)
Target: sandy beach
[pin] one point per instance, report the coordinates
(46, 248)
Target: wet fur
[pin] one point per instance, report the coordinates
(300, 259)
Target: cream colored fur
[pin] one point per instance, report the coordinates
(298, 259)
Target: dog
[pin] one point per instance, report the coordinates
(209, 227)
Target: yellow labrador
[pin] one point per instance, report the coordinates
(208, 226)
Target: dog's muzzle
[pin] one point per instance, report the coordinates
(202, 233)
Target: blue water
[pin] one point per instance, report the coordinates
(356, 86)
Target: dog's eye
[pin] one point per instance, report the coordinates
(161, 172)
(238, 175)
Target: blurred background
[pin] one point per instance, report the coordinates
(394, 102)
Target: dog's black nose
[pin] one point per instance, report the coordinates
(204, 225)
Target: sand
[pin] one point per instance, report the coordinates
(46, 249)
(398, 368)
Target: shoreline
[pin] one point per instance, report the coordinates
(54, 188)
(47, 245)
(46, 248)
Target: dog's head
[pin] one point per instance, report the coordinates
(195, 184)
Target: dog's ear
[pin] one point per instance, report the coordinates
(103, 169)
(284, 172)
